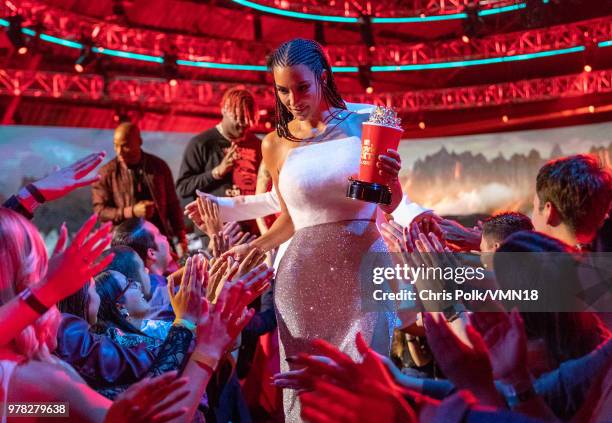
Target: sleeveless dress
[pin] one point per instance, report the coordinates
(317, 289)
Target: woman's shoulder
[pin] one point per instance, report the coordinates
(271, 144)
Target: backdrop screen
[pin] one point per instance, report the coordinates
(464, 175)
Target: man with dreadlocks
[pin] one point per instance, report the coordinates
(317, 147)
(224, 160)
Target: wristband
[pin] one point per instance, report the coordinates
(186, 323)
(35, 193)
(518, 393)
(14, 204)
(34, 303)
(204, 360)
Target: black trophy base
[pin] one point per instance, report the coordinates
(367, 191)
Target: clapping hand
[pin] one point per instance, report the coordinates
(220, 323)
(187, 300)
(235, 235)
(505, 338)
(72, 266)
(61, 182)
(150, 400)
(456, 235)
(468, 367)
(209, 216)
(342, 390)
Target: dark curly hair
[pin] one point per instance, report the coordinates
(500, 226)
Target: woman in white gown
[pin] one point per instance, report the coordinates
(314, 150)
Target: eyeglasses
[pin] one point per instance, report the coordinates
(131, 283)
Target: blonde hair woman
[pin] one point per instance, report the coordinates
(27, 359)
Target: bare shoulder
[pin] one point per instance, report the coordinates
(271, 149)
(270, 142)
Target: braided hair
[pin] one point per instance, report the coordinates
(309, 53)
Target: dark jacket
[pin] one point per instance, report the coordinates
(204, 152)
(113, 195)
(104, 363)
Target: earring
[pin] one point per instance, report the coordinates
(124, 313)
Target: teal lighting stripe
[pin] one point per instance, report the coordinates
(213, 65)
(28, 31)
(462, 63)
(377, 20)
(415, 19)
(60, 41)
(258, 68)
(345, 69)
(496, 10)
(298, 15)
(348, 69)
(128, 55)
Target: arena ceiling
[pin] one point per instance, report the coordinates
(449, 66)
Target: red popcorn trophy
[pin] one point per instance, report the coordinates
(381, 132)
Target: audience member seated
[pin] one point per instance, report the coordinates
(154, 250)
(27, 359)
(129, 263)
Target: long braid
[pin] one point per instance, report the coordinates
(300, 51)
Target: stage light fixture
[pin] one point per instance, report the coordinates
(591, 109)
(465, 39)
(505, 118)
(170, 69)
(422, 125)
(587, 68)
(366, 30)
(365, 79)
(472, 25)
(85, 58)
(15, 34)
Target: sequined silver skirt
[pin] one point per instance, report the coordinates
(318, 294)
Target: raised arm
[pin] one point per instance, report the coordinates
(282, 229)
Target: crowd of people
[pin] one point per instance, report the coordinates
(124, 322)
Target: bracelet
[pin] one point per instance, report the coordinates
(185, 323)
(204, 360)
(34, 303)
(35, 193)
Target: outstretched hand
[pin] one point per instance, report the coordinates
(150, 400)
(61, 182)
(220, 323)
(72, 266)
(505, 338)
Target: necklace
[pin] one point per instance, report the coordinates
(220, 129)
(316, 132)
